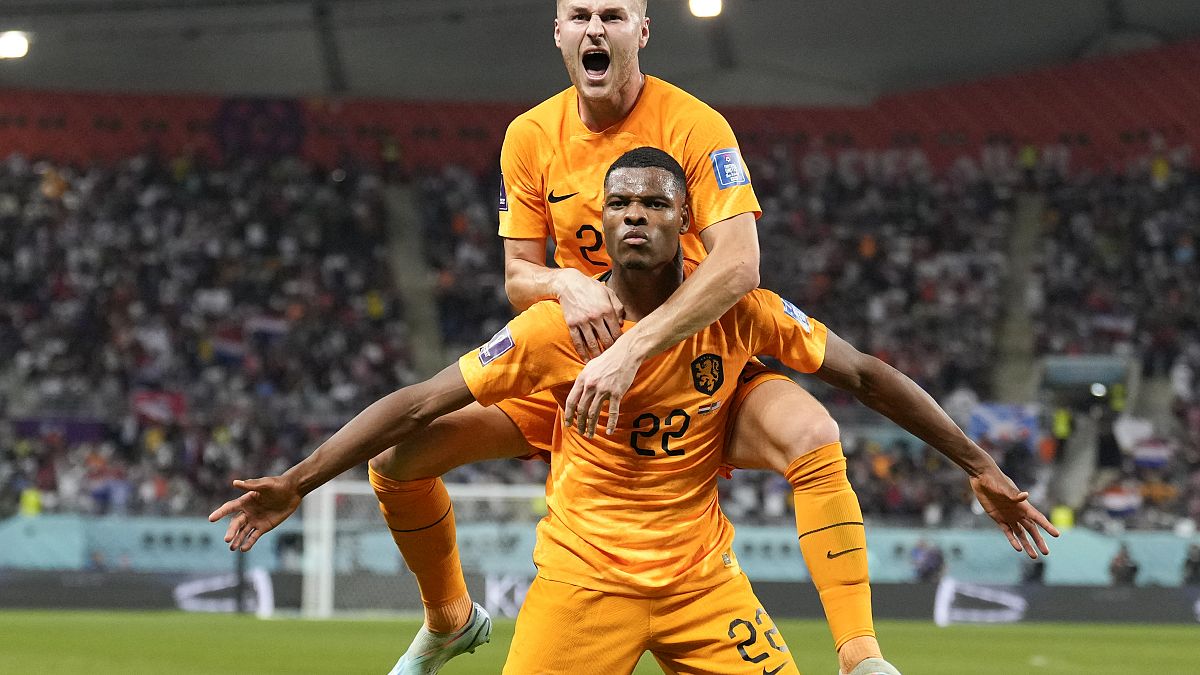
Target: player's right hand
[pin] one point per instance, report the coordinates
(267, 503)
(592, 311)
(1010, 508)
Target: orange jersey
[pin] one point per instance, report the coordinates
(636, 512)
(553, 170)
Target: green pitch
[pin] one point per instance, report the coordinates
(119, 642)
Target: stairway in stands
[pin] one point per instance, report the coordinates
(1015, 378)
(414, 280)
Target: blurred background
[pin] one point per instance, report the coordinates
(226, 227)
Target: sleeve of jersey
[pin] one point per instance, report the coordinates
(718, 180)
(775, 327)
(532, 353)
(522, 207)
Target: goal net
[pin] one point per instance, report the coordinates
(351, 564)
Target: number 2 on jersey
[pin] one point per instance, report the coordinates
(649, 424)
(585, 249)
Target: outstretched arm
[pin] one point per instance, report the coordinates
(891, 393)
(386, 422)
(728, 273)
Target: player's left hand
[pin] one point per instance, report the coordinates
(606, 377)
(267, 503)
(1011, 510)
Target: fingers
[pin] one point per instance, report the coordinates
(578, 342)
(614, 409)
(1025, 545)
(604, 333)
(1040, 519)
(593, 345)
(223, 510)
(251, 537)
(1012, 538)
(613, 321)
(586, 340)
(571, 406)
(593, 415)
(1032, 529)
(235, 527)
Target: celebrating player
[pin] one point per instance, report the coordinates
(635, 554)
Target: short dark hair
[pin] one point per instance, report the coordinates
(647, 157)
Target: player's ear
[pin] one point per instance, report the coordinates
(557, 35)
(686, 218)
(645, 37)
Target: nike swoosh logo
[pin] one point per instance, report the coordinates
(773, 671)
(831, 555)
(554, 199)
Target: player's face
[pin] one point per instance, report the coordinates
(645, 211)
(599, 40)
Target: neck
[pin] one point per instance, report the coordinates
(600, 114)
(643, 291)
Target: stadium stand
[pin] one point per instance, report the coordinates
(169, 323)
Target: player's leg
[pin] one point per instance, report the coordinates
(719, 630)
(417, 508)
(780, 427)
(419, 514)
(571, 630)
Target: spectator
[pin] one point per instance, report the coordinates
(1191, 566)
(928, 561)
(1123, 568)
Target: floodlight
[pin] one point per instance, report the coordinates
(14, 44)
(705, 9)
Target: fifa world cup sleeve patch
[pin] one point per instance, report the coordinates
(794, 312)
(727, 165)
(500, 344)
(503, 195)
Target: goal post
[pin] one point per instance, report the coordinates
(351, 564)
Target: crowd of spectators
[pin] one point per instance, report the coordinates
(1118, 274)
(891, 255)
(167, 325)
(1118, 271)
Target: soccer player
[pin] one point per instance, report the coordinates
(635, 554)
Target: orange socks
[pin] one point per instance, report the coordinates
(833, 540)
(421, 519)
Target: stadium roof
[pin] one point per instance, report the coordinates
(758, 52)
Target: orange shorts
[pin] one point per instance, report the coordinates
(537, 415)
(568, 629)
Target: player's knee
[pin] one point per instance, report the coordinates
(390, 464)
(822, 431)
(815, 430)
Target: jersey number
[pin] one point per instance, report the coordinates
(649, 424)
(586, 250)
(771, 634)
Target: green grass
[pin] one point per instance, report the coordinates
(178, 643)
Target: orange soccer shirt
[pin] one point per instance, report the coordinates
(553, 170)
(636, 512)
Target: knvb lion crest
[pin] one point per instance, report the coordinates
(707, 373)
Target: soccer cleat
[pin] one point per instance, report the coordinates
(874, 666)
(430, 651)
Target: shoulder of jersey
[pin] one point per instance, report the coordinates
(544, 117)
(676, 97)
